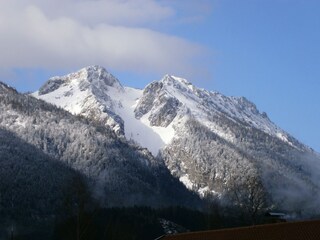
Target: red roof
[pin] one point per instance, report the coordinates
(307, 230)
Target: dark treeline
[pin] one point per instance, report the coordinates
(130, 223)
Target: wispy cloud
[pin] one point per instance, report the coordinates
(118, 12)
(74, 33)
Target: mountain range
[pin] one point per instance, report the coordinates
(170, 143)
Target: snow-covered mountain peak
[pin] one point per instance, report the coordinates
(177, 83)
(174, 97)
(99, 74)
(86, 92)
(190, 95)
(170, 79)
(94, 77)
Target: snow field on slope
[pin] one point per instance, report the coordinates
(151, 137)
(68, 97)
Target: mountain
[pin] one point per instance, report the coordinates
(119, 173)
(218, 146)
(94, 93)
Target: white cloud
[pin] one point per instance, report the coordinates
(123, 12)
(70, 33)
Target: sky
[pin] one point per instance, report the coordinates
(265, 50)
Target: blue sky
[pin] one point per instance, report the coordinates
(265, 50)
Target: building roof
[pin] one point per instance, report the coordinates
(306, 230)
(275, 214)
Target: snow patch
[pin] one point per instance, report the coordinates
(186, 181)
(206, 190)
(69, 97)
(202, 191)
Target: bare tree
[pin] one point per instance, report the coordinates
(247, 192)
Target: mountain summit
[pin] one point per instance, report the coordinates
(213, 143)
(92, 76)
(86, 93)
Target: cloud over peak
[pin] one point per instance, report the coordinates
(112, 33)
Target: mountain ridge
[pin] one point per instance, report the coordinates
(235, 108)
(219, 147)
